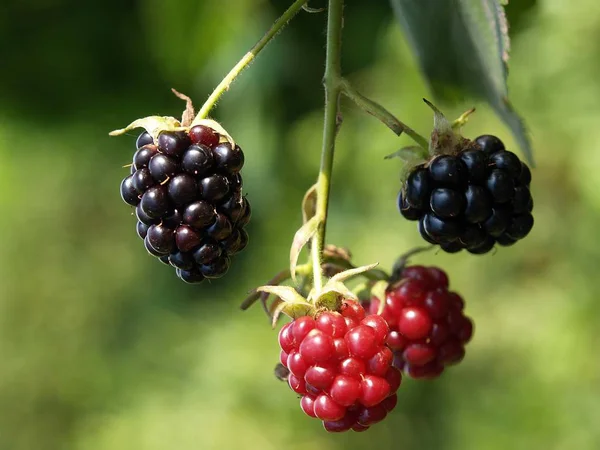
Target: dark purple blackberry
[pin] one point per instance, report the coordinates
(496, 224)
(406, 210)
(489, 144)
(477, 165)
(162, 167)
(506, 161)
(447, 203)
(155, 202)
(234, 207)
(479, 204)
(228, 158)
(235, 182)
(520, 226)
(522, 200)
(180, 260)
(417, 188)
(141, 158)
(452, 247)
(129, 193)
(472, 237)
(173, 143)
(143, 139)
(447, 170)
(145, 218)
(172, 219)
(221, 228)
(182, 189)
(501, 185)
(470, 200)
(161, 238)
(187, 191)
(245, 219)
(485, 247)
(525, 177)
(441, 230)
(198, 160)
(505, 240)
(142, 180)
(233, 243)
(217, 268)
(199, 214)
(208, 252)
(213, 188)
(141, 229)
(150, 249)
(190, 276)
(187, 238)
(243, 240)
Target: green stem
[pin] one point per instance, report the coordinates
(378, 111)
(331, 81)
(248, 58)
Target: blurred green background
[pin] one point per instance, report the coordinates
(103, 348)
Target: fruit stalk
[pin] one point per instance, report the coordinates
(331, 81)
(382, 114)
(248, 58)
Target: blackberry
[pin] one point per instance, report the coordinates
(471, 199)
(186, 188)
(142, 157)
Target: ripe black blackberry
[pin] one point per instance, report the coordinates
(472, 198)
(187, 190)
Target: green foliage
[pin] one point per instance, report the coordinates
(462, 47)
(104, 349)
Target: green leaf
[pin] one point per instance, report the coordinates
(409, 154)
(301, 238)
(462, 47)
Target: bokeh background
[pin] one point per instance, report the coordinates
(102, 347)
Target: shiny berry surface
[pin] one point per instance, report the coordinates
(204, 135)
(467, 199)
(427, 326)
(186, 188)
(341, 367)
(129, 193)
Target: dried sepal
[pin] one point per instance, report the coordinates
(189, 113)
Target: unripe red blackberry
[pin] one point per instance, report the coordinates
(427, 326)
(474, 198)
(341, 367)
(187, 190)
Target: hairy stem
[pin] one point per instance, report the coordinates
(248, 58)
(378, 111)
(331, 81)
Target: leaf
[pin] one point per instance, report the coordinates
(409, 154)
(462, 47)
(301, 238)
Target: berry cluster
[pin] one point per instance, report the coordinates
(471, 200)
(340, 365)
(428, 330)
(187, 192)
